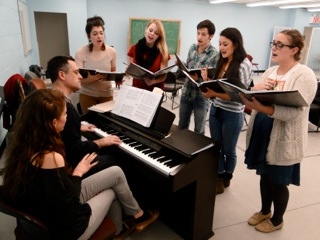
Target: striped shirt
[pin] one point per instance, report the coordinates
(245, 76)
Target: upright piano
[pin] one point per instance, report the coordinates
(176, 174)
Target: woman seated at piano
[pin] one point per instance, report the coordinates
(37, 179)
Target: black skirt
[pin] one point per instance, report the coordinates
(255, 155)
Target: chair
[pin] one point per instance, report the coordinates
(314, 113)
(30, 228)
(15, 90)
(253, 64)
(37, 83)
(170, 85)
(29, 75)
(247, 110)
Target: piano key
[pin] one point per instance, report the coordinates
(150, 158)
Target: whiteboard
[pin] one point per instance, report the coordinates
(25, 29)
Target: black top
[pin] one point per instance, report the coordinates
(53, 196)
(75, 148)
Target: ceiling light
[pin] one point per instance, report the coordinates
(268, 3)
(314, 9)
(221, 1)
(300, 6)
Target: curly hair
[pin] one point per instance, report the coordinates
(34, 135)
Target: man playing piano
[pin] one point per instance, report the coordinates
(65, 77)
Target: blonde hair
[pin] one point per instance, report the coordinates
(161, 41)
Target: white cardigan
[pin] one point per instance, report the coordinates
(288, 138)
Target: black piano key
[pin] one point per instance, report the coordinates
(134, 144)
(128, 140)
(171, 164)
(148, 151)
(142, 147)
(156, 155)
(163, 159)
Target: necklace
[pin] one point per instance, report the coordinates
(224, 69)
(279, 83)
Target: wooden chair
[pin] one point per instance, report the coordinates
(37, 83)
(170, 85)
(30, 228)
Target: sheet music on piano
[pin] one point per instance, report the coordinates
(137, 104)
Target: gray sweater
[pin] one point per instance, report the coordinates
(288, 138)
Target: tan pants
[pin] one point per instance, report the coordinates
(88, 101)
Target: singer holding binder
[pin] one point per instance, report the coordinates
(95, 55)
(150, 52)
(277, 135)
(201, 54)
(226, 116)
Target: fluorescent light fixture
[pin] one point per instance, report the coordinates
(314, 9)
(300, 6)
(269, 3)
(221, 1)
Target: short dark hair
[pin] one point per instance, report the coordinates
(207, 24)
(57, 64)
(94, 21)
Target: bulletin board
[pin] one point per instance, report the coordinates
(137, 28)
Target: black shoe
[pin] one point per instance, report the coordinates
(226, 179)
(146, 219)
(128, 228)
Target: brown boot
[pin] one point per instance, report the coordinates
(220, 185)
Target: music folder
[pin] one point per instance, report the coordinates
(188, 142)
(290, 98)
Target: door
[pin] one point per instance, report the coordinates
(52, 35)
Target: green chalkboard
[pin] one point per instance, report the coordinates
(171, 27)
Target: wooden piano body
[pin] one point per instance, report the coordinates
(186, 196)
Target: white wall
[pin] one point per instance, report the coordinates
(76, 11)
(12, 59)
(256, 25)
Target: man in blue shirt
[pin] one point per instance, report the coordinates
(200, 55)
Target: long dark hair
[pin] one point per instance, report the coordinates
(34, 135)
(239, 54)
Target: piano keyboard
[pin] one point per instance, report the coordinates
(152, 157)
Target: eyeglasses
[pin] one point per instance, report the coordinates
(279, 45)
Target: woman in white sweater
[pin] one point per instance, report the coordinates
(277, 135)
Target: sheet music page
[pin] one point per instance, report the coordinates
(102, 107)
(137, 104)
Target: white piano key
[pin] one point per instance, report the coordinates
(160, 166)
